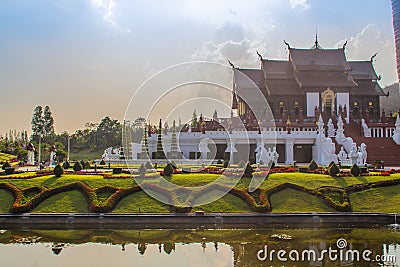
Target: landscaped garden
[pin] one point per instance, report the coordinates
(285, 189)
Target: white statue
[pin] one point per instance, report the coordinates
(53, 158)
(262, 155)
(325, 147)
(275, 155)
(353, 156)
(362, 154)
(341, 139)
(396, 133)
(331, 128)
(342, 155)
(31, 154)
(366, 130)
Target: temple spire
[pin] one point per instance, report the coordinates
(316, 43)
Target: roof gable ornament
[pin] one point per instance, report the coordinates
(230, 63)
(344, 45)
(287, 44)
(259, 55)
(372, 58)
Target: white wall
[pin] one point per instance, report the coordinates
(343, 99)
(312, 102)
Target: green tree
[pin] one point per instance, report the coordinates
(48, 122)
(160, 151)
(37, 123)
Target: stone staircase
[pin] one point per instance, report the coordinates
(378, 148)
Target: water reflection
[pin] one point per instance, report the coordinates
(189, 247)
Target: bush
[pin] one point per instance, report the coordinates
(241, 164)
(58, 170)
(142, 169)
(330, 164)
(148, 165)
(313, 165)
(77, 167)
(83, 163)
(168, 170)
(334, 170)
(272, 164)
(117, 170)
(66, 165)
(249, 170)
(226, 163)
(303, 169)
(9, 170)
(87, 165)
(6, 165)
(219, 161)
(355, 170)
(102, 162)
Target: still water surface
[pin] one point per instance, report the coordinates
(48, 248)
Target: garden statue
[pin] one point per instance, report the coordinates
(31, 154)
(275, 155)
(353, 156)
(342, 156)
(53, 158)
(262, 155)
(362, 154)
(366, 130)
(341, 139)
(331, 128)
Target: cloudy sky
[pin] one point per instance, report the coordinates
(86, 58)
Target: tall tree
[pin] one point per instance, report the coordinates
(37, 123)
(48, 124)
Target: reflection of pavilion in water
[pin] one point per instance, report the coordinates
(244, 244)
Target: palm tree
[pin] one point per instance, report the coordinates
(396, 27)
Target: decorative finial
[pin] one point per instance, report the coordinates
(230, 63)
(259, 55)
(287, 44)
(316, 44)
(372, 58)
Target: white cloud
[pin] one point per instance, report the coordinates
(105, 8)
(299, 3)
(366, 43)
(241, 53)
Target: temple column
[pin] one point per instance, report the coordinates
(289, 150)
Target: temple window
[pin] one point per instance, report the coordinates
(281, 107)
(296, 108)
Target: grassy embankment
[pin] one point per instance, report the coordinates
(382, 199)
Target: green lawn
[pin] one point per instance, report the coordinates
(290, 200)
(132, 203)
(68, 202)
(384, 199)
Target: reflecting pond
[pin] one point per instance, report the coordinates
(197, 247)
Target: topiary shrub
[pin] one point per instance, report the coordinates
(148, 165)
(58, 171)
(168, 170)
(331, 163)
(77, 167)
(83, 164)
(102, 162)
(66, 165)
(248, 170)
(9, 170)
(226, 163)
(355, 170)
(241, 164)
(87, 165)
(313, 165)
(117, 170)
(334, 170)
(142, 170)
(272, 164)
(6, 165)
(219, 161)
